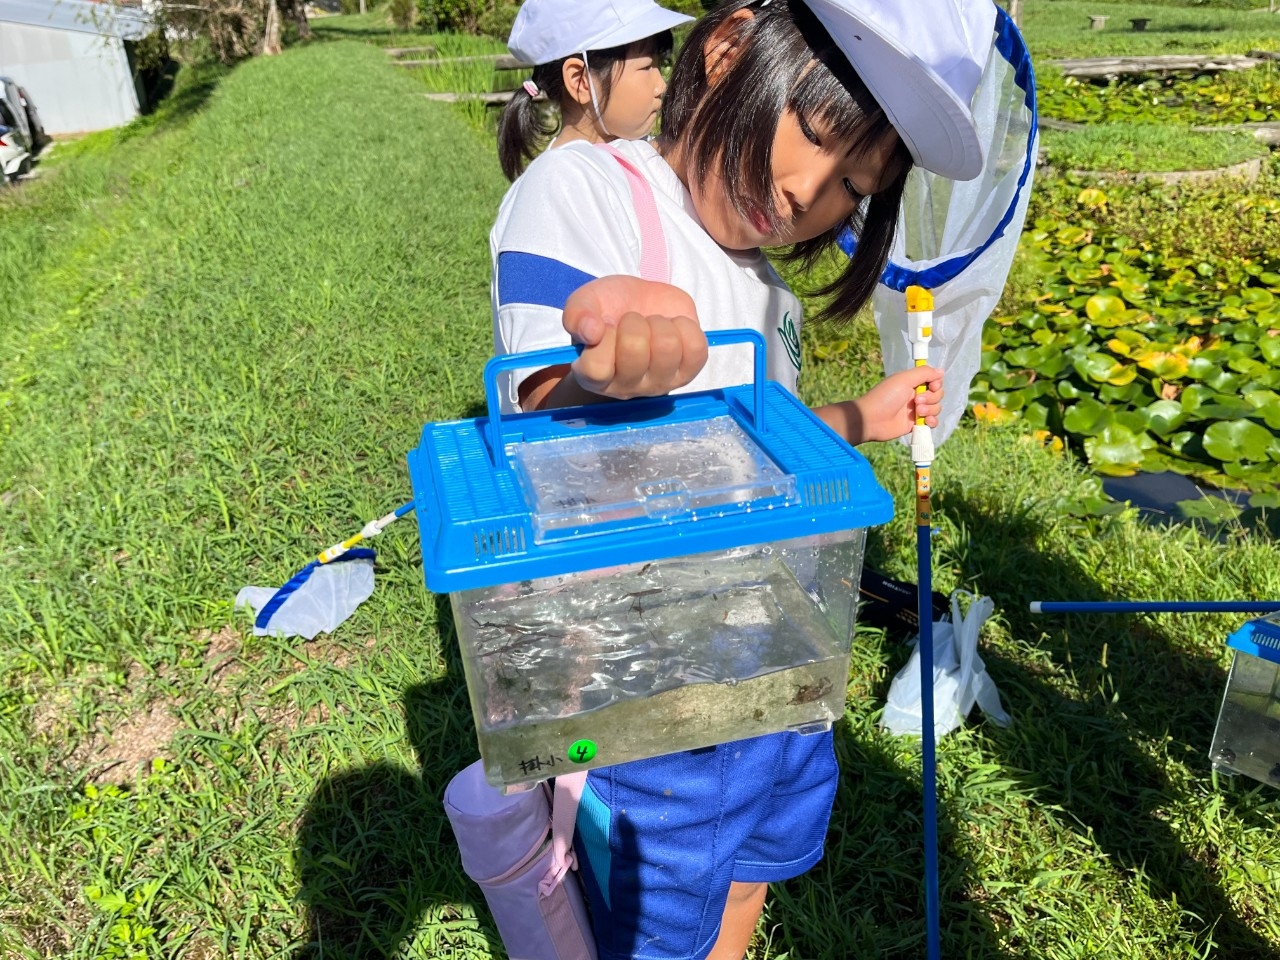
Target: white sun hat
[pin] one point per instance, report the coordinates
(546, 30)
(921, 60)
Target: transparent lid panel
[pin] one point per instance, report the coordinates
(645, 474)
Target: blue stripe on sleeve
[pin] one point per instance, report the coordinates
(529, 278)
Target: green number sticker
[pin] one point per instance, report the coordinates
(582, 751)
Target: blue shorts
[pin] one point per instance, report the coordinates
(659, 841)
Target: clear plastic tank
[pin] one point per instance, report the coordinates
(638, 578)
(629, 662)
(1247, 737)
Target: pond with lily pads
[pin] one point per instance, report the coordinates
(1142, 328)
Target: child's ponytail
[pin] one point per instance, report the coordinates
(522, 135)
(521, 132)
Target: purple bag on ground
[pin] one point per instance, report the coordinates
(507, 848)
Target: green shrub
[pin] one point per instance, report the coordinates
(463, 16)
(403, 13)
(496, 22)
(694, 8)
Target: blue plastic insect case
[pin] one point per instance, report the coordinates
(637, 578)
(1246, 738)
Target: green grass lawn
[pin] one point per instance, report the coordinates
(454, 75)
(236, 320)
(1147, 147)
(1061, 28)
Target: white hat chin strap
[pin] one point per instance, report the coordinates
(591, 89)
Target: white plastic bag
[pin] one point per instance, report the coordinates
(960, 677)
(316, 600)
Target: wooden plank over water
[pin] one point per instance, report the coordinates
(1115, 66)
(401, 51)
(501, 61)
(500, 97)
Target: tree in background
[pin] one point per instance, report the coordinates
(235, 29)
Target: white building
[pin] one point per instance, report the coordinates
(73, 58)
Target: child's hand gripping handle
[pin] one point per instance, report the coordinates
(555, 355)
(920, 331)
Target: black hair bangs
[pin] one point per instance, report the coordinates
(765, 60)
(659, 46)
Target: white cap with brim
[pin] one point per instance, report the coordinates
(921, 60)
(546, 30)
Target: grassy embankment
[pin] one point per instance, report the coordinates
(237, 322)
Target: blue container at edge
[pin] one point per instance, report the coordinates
(1246, 738)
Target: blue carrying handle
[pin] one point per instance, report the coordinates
(555, 355)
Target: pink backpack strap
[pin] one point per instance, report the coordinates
(653, 266)
(564, 813)
(653, 244)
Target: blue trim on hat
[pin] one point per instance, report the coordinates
(543, 281)
(298, 579)
(1011, 46)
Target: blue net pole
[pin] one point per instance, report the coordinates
(1155, 606)
(928, 752)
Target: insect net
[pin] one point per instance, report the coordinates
(957, 239)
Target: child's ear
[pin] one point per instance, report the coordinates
(574, 74)
(724, 45)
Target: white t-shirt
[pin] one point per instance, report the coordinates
(570, 219)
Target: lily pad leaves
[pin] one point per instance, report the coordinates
(1230, 440)
(1144, 362)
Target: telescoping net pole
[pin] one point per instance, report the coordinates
(955, 243)
(920, 330)
(1155, 606)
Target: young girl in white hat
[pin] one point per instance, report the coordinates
(786, 122)
(599, 60)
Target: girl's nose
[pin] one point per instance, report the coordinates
(801, 189)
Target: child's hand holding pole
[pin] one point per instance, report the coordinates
(889, 409)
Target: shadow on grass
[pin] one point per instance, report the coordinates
(866, 896)
(1183, 28)
(1086, 756)
(158, 83)
(375, 855)
(182, 91)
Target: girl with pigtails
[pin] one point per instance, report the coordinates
(599, 62)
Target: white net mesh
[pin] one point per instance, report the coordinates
(957, 239)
